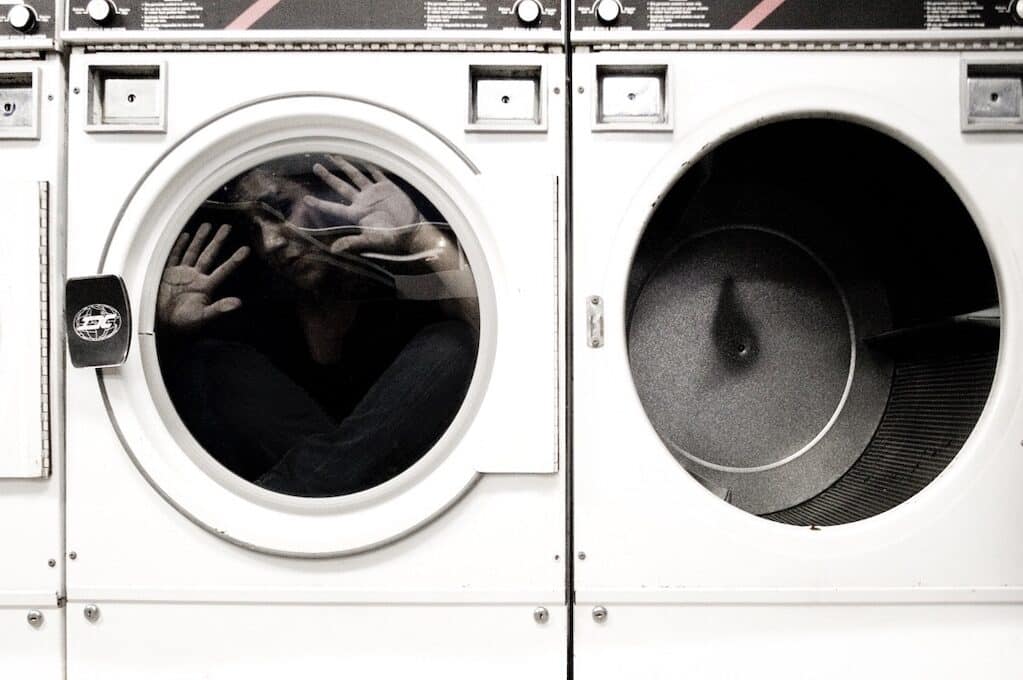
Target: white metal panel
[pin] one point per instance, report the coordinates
(922, 642)
(23, 329)
(31, 512)
(186, 641)
(649, 530)
(31, 651)
(504, 540)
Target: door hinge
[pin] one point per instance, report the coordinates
(594, 321)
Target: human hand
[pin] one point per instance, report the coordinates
(375, 203)
(184, 302)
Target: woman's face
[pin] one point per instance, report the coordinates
(296, 256)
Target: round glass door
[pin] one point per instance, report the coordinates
(317, 325)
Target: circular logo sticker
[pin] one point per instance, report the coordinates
(96, 323)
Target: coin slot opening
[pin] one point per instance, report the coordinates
(632, 96)
(126, 97)
(18, 110)
(992, 96)
(506, 98)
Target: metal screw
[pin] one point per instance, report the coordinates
(582, 555)
(600, 614)
(581, 89)
(49, 97)
(541, 615)
(557, 90)
(35, 618)
(72, 555)
(52, 562)
(76, 90)
(91, 612)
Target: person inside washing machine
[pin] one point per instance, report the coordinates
(322, 339)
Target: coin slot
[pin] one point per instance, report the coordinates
(506, 98)
(632, 97)
(18, 109)
(992, 95)
(126, 97)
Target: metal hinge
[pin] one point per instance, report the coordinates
(594, 321)
(44, 324)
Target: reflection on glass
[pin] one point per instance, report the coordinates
(323, 337)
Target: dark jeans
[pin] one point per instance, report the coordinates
(255, 419)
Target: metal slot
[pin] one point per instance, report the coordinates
(992, 97)
(632, 98)
(128, 98)
(19, 105)
(506, 98)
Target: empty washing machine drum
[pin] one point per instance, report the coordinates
(812, 322)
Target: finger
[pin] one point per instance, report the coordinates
(354, 244)
(232, 263)
(209, 255)
(195, 247)
(334, 182)
(353, 173)
(178, 249)
(345, 212)
(376, 173)
(221, 307)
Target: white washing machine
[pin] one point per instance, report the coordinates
(31, 475)
(325, 435)
(797, 340)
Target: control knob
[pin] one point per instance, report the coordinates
(608, 11)
(101, 11)
(23, 18)
(1017, 11)
(529, 11)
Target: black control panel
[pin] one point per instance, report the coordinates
(314, 15)
(788, 15)
(22, 20)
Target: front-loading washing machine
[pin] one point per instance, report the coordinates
(313, 332)
(31, 475)
(797, 346)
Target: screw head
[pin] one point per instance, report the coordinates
(72, 555)
(581, 89)
(35, 618)
(600, 614)
(582, 555)
(51, 562)
(541, 615)
(76, 90)
(91, 613)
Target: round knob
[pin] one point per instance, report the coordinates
(100, 11)
(1017, 11)
(608, 11)
(22, 18)
(529, 11)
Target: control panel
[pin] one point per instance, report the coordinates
(21, 20)
(789, 15)
(313, 15)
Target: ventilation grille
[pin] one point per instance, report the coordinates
(934, 404)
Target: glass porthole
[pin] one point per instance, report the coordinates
(317, 325)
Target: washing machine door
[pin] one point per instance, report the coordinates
(314, 295)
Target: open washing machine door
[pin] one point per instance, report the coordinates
(313, 294)
(813, 342)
